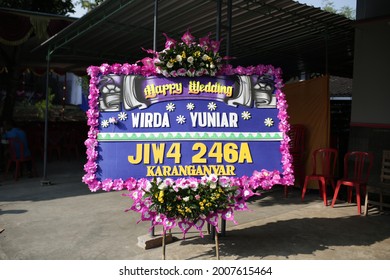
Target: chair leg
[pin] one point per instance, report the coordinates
(358, 201)
(336, 192)
(304, 187)
(366, 203)
(323, 190)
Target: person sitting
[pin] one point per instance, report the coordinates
(11, 132)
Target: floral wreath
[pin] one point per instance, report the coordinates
(186, 202)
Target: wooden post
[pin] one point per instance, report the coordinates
(216, 244)
(163, 244)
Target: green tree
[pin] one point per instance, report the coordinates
(346, 11)
(59, 7)
(90, 4)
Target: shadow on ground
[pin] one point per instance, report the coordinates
(297, 237)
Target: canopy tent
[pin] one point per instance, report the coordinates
(22, 31)
(296, 37)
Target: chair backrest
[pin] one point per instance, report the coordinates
(16, 149)
(385, 171)
(297, 138)
(324, 161)
(357, 166)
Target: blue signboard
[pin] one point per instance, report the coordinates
(148, 127)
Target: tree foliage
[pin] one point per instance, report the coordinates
(346, 11)
(90, 4)
(59, 7)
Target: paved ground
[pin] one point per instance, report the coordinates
(66, 221)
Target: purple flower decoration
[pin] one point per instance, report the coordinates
(185, 226)
(187, 38)
(204, 42)
(169, 42)
(215, 45)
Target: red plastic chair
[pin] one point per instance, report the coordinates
(324, 166)
(16, 155)
(357, 167)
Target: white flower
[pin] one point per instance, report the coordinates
(190, 59)
(205, 57)
(246, 115)
(170, 107)
(269, 122)
(190, 106)
(180, 119)
(213, 178)
(158, 218)
(212, 106)
(186, 199)
(178, 58)
(105, 123)
(213, 185)
(169, 64)
(162, 186)
(122, 116)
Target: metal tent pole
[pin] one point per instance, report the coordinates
(218, 27)
(45, 181)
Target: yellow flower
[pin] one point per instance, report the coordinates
(183, 54)
(202, 208)
(161, 194)
(197, 53)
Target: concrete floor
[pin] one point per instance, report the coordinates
(65, 221)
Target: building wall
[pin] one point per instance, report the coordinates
(370, 112)
(371, 91)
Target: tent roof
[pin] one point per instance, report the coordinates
(21, 31)
(296, 37)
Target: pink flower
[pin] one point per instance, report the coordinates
(204, 42)
(116, 68)
(90, 167)
(93, 71)
(169, 42)
(105, 69)
(215, 46)
(187, 38)
(181, 72)
(130, 183)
